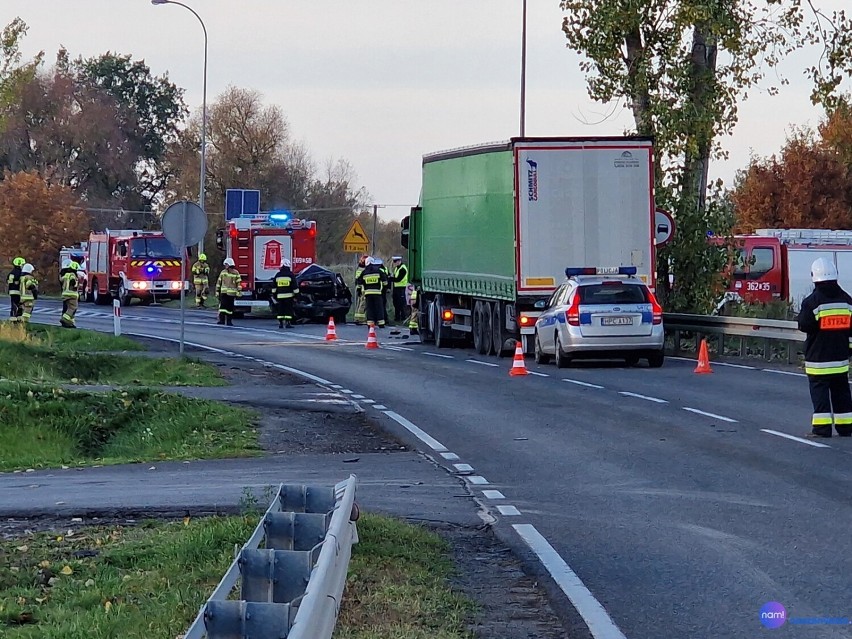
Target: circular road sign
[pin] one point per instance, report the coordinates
(184, 224)
(664, 227)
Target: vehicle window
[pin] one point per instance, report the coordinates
(154, 247)
(763, 259)
(565, 295)
(613, 293)
(740, 263)
(553, 298)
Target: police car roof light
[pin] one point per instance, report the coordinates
(600, 270)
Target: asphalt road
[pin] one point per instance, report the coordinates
(682, 502)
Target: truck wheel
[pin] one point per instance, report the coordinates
(97, 297)
(485, 322)
(424, 329)
(497, 330)
(123, 296)
(477, 328)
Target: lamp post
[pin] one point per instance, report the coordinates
(203, 112)
(523, 68)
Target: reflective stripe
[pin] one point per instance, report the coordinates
(843, 418)
(833, 306)
(827, 368)
(821, 419)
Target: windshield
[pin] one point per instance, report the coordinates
(156, 247)
(613, 293)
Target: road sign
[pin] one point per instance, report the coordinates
(184, 224)
(241, 202)
(356, 240)
(664, 227)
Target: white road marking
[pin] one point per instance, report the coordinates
(777, 372)
(346, 390)
(593, 613)
(463, 468)
(335, 385)
(579, 383)
(420, 434)
(729, 365)
(510, 511)
(403, 348)
(477, 479)
(795, 439)
(449, 456)
(646, 397)
(357, 397)
(368, 401)
(713, 415)
(476, 361)
(380, 407)
(493, 494)
(538, 374)
(439, 355)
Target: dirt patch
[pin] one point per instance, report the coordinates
(304, 432)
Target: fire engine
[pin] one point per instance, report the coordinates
(131, 264)
(258, 244)
(775, 264)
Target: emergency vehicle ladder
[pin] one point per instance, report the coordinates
(808, 236)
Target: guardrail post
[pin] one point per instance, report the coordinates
(116, 317)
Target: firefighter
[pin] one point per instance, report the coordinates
(201, 280)
(399, 277)
(13, 286)
(373, 281)
(386, 285)
(227, 289)
(826, 319)
(360, 301)
(70, 294)
(413, 319)
(29, 292)
(284, 291)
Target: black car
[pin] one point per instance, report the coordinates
(322, 294)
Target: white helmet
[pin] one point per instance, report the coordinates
(823, 270)
(378, 260)
(369, 261)
(228, 262)
(66, 263)
(286, 263)
(27, 268)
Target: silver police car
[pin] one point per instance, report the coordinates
(601, 313)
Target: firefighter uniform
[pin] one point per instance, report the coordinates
(826, 319)
(227, 289)
(413, 319)
(399, 276)
(70, 294)
(284, 291)
(385, 287)
(373, 281)
(360, 301)
(201, 280)
(13, 286)
(29, 292)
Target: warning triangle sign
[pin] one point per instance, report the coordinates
(355, 239)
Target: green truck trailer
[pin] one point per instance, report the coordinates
(498, 224)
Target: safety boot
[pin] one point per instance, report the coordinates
(228, 321)
(221, 320)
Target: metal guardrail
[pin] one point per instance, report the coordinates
(292, 570)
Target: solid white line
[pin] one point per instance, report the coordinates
(508, 510)
(579, 383)
(422, 435)
(593, 613)
(476, 479)
(638, 396)
(380, 407)
(449, 456)
(729, 365)
(538, 374)
(439, 355)
(493, 494)
(476, 361)
(403, 348)
(777, 372)
(713, 415)
(464, 468)
(795, 439)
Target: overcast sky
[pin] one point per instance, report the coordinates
(382, 82)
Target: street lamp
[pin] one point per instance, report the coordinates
(523, 69)
(203, 112)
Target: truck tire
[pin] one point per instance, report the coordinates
(497, 332)
(97, 297)
(123, 296)
(476, 328)
(438, 329)
(485, 322)
(424, 330)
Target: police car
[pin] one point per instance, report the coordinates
(601, 313)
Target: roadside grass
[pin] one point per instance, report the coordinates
(43, 427)
(63, 339)
(150, 580)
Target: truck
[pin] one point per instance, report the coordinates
(497, 225)
(258, 244)
(775, 264)
(133, 264)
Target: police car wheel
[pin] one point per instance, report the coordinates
(631, 360)
(656, 359)
(540, 356)
(562, 360)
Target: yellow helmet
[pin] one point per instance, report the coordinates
(202, 257)
(74, 266)
(19, 261)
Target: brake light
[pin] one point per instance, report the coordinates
(447, 315)
(656, 309)
(244, 284)
(525, 320)
(233, 232)
(572, 315)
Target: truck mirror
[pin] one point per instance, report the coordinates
(220, 240)
(122, 249)
(406, 226)
(540, 304)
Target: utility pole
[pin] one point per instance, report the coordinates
(375, 227)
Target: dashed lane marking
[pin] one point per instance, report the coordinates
(438, 355)
(777, 372)
(380, 407)
(493, 494)
(538, 374)
(713, 415)
(449, 456)
(795, 439)
(509, 511)
(477, 479)
(579, 383)
(476, 361)
(463, 468)
(645, 397)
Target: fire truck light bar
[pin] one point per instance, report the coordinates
(600, 270)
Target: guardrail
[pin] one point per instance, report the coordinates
(744, 328)
(292, 570)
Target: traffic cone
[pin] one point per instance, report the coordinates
(703, 359)
(518, 365)
(331, 332)
(372, 342)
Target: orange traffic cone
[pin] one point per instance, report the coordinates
(372, 342)
(703, 359)
(331, 332)
(518, 366)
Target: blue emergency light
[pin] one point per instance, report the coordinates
(152, 270)
(600, 270)
(280, 218)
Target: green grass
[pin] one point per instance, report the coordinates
(149, 581)
(43, 427)
(62, 339)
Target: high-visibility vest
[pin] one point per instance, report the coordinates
(372, 283)
(283, 287)
(228, 283)
(400, 276)
(358, 287)
(69, 286)
(200, 272)
(28, 283)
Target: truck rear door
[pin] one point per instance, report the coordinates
(582, 203)
(269, 250)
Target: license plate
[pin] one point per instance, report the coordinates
(616, 321)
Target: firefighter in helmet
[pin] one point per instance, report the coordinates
(201, 280)
(413, 319)
(70, 293)
(284, 291)
(399, 278)
(360, 301)
(227, 289)
(373, 282)
(29, 292)
(13, 286)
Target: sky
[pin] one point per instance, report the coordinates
(380, 83)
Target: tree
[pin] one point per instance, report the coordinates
(682, 66)
(14, 73)
(36, 219)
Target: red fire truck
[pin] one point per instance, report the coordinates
(258, 244)
(775, 264)
(130, 264)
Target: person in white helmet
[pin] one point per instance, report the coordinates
(227, 289)
(29, 291)
(826, 319)
(284, 291)
(373, 281)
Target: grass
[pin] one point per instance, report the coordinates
(43, 427)
(62, 339)
(150, 580)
